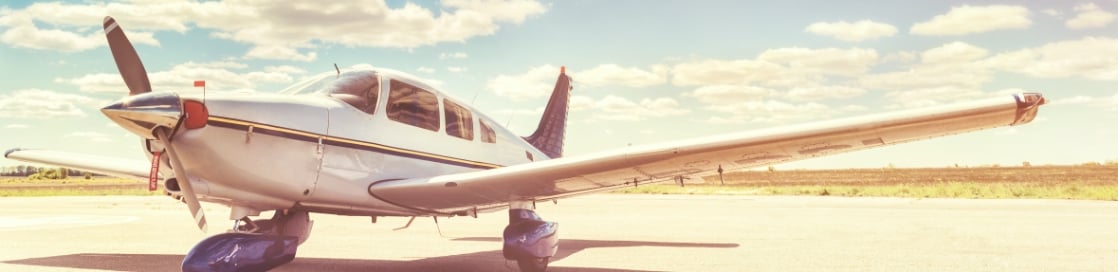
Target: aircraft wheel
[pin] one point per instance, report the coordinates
(532, 264)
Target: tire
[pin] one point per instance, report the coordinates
(532, 264)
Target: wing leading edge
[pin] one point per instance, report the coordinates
(632, 166)
(137, 169)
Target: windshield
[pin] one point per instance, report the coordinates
(347, 82)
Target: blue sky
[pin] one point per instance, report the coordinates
(645, 71)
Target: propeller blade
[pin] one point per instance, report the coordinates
(127, 61)
(184, 181)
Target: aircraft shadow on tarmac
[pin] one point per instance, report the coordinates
(477, 261)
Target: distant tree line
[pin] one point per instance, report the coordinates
(34, 172)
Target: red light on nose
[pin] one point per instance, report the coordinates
(196, 114)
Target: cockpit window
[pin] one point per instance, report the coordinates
(357, 88)
(360, 90)
(414, 106)
(459, 120)
(325, 82)
(487, 133)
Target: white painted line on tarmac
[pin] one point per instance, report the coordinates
(39, 222)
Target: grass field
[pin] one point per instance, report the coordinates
(1096, 182)
(12, 186)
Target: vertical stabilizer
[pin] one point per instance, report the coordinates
(548, 137)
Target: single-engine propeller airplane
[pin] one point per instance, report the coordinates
(377, 142)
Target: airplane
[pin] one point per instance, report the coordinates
(381, 143)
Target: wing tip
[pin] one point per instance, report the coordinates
(1027, 106)
(10, 151)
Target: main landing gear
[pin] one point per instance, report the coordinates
(528, 239)
(253, 246)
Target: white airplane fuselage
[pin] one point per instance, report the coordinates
(309, 148)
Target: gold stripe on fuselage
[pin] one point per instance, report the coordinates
(349, 141)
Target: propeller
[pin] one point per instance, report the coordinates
(184, 182)
(136, 77)
(127, 61)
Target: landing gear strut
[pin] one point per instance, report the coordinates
(528, 239)
(254, 246)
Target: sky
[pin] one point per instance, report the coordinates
(644, 71)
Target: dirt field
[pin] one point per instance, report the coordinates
(1034, 175)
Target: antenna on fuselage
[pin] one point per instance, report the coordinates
(338, 70)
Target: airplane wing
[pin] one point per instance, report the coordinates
(127, 168)
(468, 193)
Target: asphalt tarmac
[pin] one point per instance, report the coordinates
(603, 233)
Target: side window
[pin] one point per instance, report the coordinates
(414, 106)
(459, 121)
(487, 134)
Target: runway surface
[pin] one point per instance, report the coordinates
(604, 233)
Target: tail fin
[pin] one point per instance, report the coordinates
(548, 137)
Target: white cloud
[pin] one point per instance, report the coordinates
(539, 81)
(531, 84)
(454, 55)
(521, 112)
(781, 67)
(900, 57)
(954, 52)
(958, 65)
(1052, 12)
(16, 126)
(364, 24)
(827, 61)
(854, 108)
(767, 111)
(425, 69)
(455, 69)
(276, 30)
(1074, 100)
(90, 136)
(580, 103)
(613, 74)
(36, 103)
(1089, 58)
(623, 109)
(758, 90)
(286, 69)
(949, 73)
(1089, 16)
(816, 93)
(279, 52)
(739, 104)
(713, 72)
(729, 94)
(1102, 101)
(20, 30)
(974, 19)
(139, 15)
(852, 32)
(220, 75)
(925, 97)
(964, 75)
